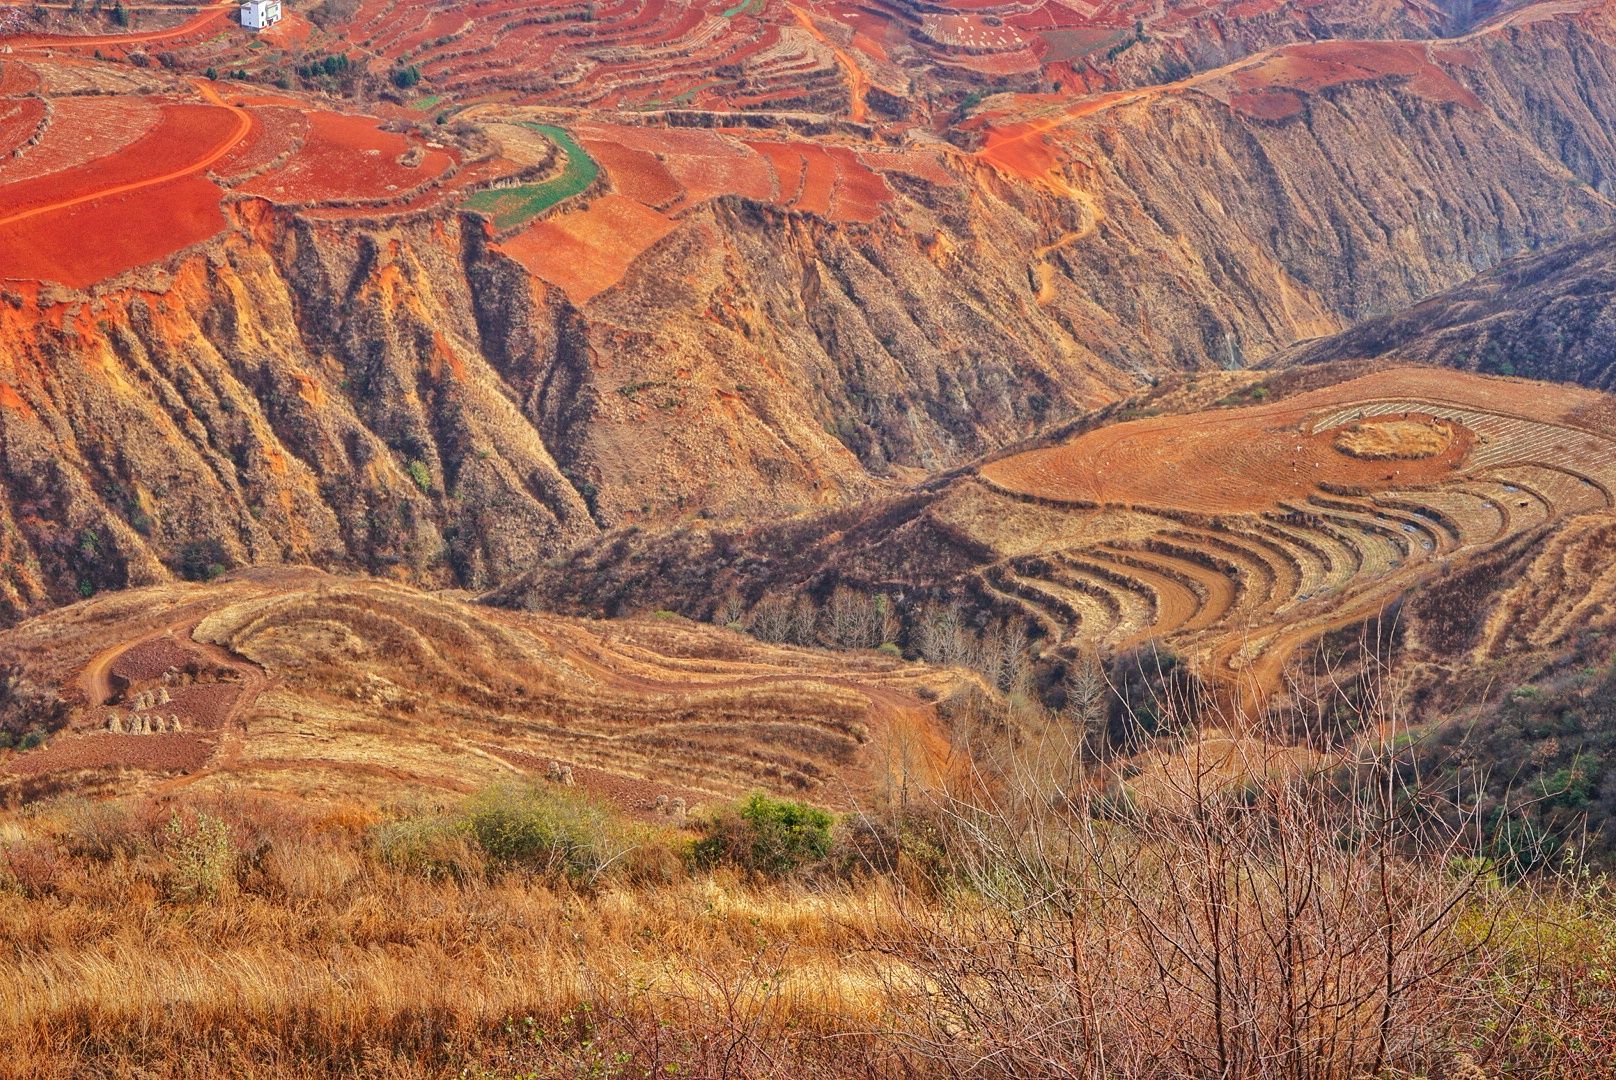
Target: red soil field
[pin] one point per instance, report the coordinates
(95, 240)
(818, 181)
(1312, 67)
(790, 170)
(204, 706)
(203, 20)
(705, 163)
(19, 119)
(17, 77)
(1021, 147)
(587, 252)
(1267, 104)
(860, 193)
(635, 173)
(1262, 455)
(149, 659)
(184, 138)
(182, 752)
(276, 131)
(347, 157)
(82, 129)
(916, 163)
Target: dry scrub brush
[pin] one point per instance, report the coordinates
(1314, 924)
(1038, 919)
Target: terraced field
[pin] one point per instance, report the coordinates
(295, 680)
(151, 173)
(511, 206)
(1298, 535)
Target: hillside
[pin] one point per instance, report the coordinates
(1547, 315)
(327, 352)
(1335, 496)
(343, 689)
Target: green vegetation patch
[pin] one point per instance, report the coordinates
(755, 6)
(428, 102)
(513, 206)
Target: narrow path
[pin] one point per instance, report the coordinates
(243, 127)
(858, 83)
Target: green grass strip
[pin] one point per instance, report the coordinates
(427, 102)
(512, 206)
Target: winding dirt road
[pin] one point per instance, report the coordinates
(240, 132)
(72, 41)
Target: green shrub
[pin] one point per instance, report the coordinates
(543, 831)
(770, 836)
(201, 856)
(420, 474)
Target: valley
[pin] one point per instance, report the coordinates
(780, 538)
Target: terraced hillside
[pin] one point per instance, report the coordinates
(1229, 536)
(294, 680)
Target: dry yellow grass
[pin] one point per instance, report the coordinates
(1399, 440)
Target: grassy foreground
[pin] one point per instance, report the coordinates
(1286, 930)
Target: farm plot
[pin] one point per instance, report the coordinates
(131, 229)
(349, 684)
(347, 158)
(83, 129)
(587, 252)
(509, 207)
(1328, 506)
(705, 164)
(20, 120)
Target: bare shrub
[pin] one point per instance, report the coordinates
(1210, 919)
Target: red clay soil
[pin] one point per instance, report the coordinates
(188, 139)
(1312, 67)
(17, 77)
(819, 179)
(347, 157)
(789, 170)
(19, 119)
(148, 660)
(1267, 104)
(860, 193)
(199, 22)
(95, 240)
(704, 163)
(276, 130)
(203, 707)
(586, 252)
(916, 163)
(83, 129)
(183, 752)
(635, 173)
(1261, 454)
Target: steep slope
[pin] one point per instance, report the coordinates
(389, 389)
(1329, 504)
(1550, 315)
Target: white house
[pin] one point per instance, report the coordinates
(260, 14)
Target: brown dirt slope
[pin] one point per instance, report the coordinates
(1230, 535)
(331, 686)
